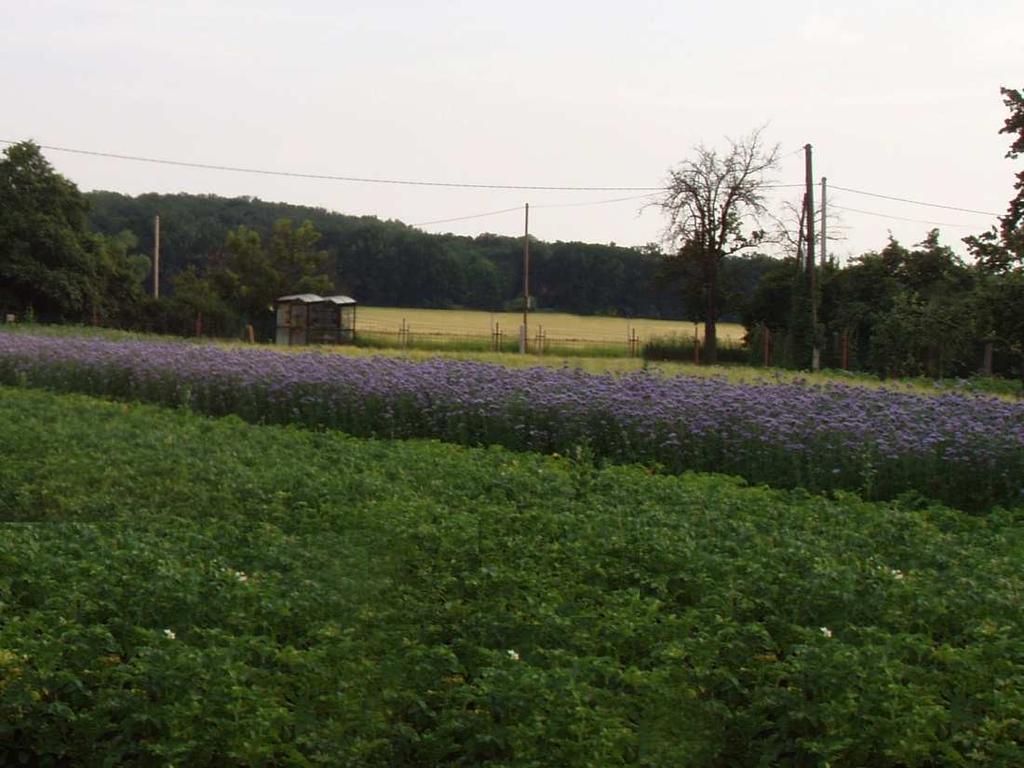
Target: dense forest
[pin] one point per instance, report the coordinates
(387, 263)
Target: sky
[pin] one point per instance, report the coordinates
(897, 98)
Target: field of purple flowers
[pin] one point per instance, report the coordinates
(964, 450)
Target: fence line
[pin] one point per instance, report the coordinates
(540, 340)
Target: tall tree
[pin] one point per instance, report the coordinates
(120, 275)
(196, 298)
(48, 257)
(249, 275)
(1000, 253)
(713, 202)
(1011, 226)
(1002, 249)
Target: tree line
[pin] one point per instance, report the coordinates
(388, 263)
(919, 310)
(910, 311)
(899, 311)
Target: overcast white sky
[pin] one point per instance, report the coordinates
(897, 97)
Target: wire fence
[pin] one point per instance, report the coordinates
(539, 341)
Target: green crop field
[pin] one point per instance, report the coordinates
(179, 590)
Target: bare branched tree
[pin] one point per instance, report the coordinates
(788, 230)
(713, 203)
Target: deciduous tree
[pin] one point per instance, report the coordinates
(48, 258)
(1000, 252)
(1002, 249)
(249, 276)
(713, 201)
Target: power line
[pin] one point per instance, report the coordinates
(359, 179)
(900, 218)
(332, 177)
(542, 205)
(560, 205)
(471, 216)
(593, 202)
(914, 202)
(517, 187)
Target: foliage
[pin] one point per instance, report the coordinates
(770, 300)
(966, 451)
(387, 263)
(120, 276)
(249, 276)
(51, 265)
(898, 311)
(927, 328)
(232, 594)
(1001, 309)
(292, 263)
(47, 257)
(1001, 254)
(239, 283)
(197, 300)
(1003, 249)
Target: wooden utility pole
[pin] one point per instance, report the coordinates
(800, 237)
(156, 256)
(809, 202)
(824, 220)
(526, 279)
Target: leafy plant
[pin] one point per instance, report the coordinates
(215, 593)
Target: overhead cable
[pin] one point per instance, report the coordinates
(912, 202)
(518, 187)
(464, 218)
(900, 218)
(333, 177)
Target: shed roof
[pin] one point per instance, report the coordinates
(312, 298)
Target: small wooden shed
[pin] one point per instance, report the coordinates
(306, 318)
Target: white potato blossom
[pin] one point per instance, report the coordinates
(169, 634)
(896, 573)
(826, 631)
(514, 655)
(241, 576)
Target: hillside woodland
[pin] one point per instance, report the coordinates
(68, 256)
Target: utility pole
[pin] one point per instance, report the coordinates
(824, 220)
(809, 202)
(156, 257)
(526, 280)
(800, 236)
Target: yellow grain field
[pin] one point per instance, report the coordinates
(556, 325)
